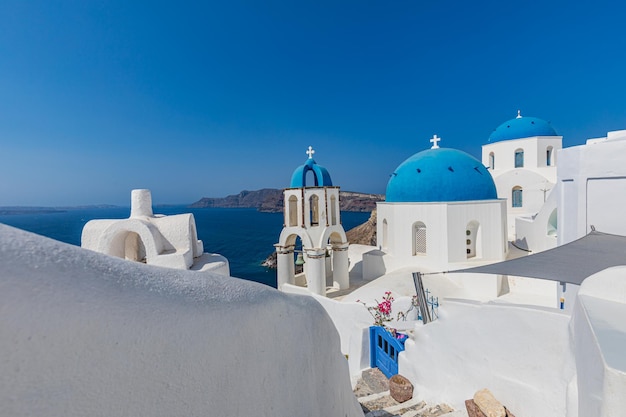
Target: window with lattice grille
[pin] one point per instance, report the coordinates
(419, 232)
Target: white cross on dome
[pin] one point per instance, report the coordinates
(310, 152)
(435, 141)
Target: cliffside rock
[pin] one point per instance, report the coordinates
(269, 197)
(351, 201)
(364, 234)
(271, 200)
(271, 261)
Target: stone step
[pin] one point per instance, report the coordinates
(372, 392)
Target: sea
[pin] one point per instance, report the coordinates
(243, 235)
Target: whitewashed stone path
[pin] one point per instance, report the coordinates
(372, 391)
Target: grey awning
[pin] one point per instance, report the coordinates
(572, 262)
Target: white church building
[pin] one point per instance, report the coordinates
(168, 241)
(521, 155)
(441, 209)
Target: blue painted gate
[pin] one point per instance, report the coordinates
(384, 349)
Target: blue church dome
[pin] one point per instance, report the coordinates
(522, 127)
(321, 177)
(440, 174)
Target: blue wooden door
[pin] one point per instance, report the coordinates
(384, 349)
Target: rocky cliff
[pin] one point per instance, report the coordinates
(364, 234)
(266, 199)
(271, 200)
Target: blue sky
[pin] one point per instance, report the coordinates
(194, 99)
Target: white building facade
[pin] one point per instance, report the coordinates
(521, 156)
(592, 179)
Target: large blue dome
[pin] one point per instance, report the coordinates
(522, 127)
(441, 174)
(321, 177)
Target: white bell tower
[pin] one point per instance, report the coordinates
(312, 213)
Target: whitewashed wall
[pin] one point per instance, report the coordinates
(445, 230)
(521, 354)
(536, 233)
(593, 187)
(534, 154)
(599, 335)
(85, 334)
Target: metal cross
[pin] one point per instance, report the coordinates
(310, 152)
(434, 141)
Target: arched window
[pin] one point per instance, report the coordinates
(549, 152)
(516, 197)
(492, 161)
(333, 210)
(315, 212)
(519, 158)
(419, 238)
(293, 211)
(552, 224)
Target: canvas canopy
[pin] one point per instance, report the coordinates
(571, 263)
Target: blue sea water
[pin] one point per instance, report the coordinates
(244, 236)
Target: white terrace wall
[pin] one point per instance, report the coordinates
(352, 320)
(599, 334)
(522, 354)
(85, 334)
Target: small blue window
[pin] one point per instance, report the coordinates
(517, 197)
(549, 156)
(519, 158)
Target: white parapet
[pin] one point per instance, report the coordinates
(84, 334)
(599, 335)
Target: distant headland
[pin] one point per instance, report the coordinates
(12, 210)
(270, 200)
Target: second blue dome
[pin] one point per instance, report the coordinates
(522, 127)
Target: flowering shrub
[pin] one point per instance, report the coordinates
(381, 312)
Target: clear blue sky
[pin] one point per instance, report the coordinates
(208, 98)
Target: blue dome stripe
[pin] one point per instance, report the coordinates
(437, 175)
(320, 175)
